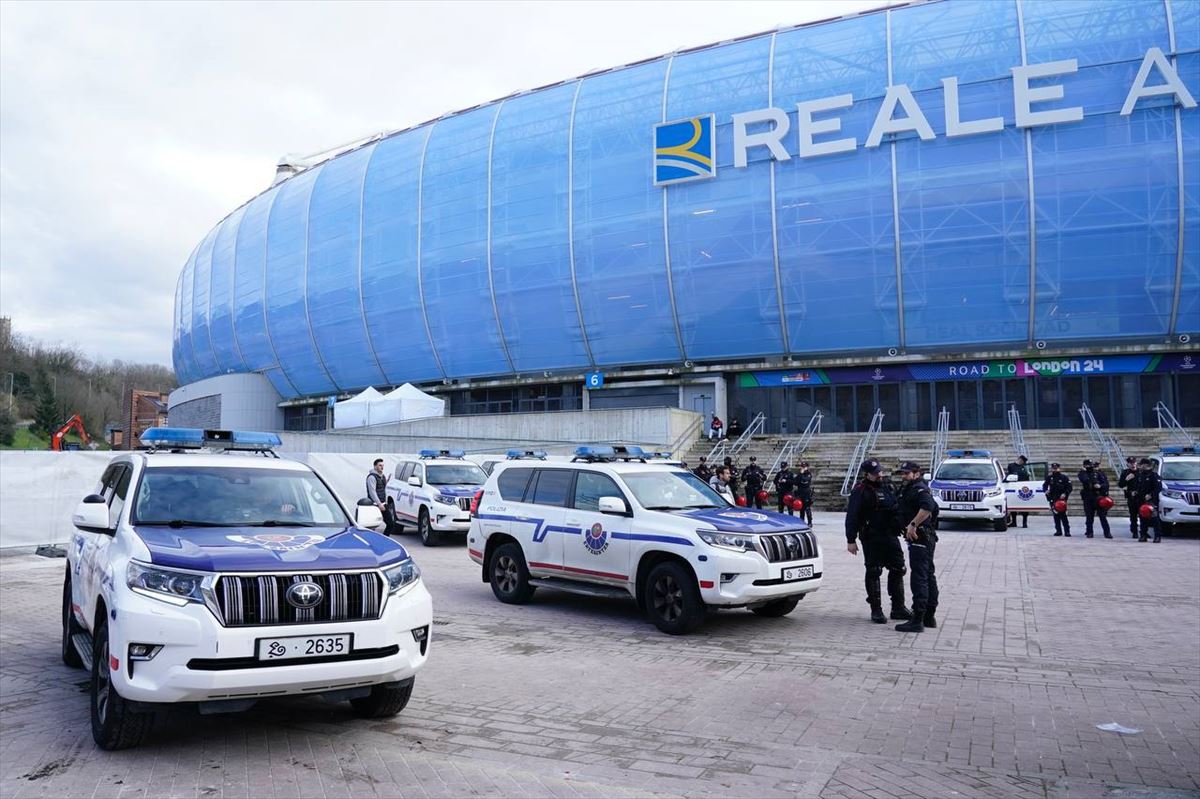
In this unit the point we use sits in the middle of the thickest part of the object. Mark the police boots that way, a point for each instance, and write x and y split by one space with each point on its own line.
877 614
929 620
914 625
900 613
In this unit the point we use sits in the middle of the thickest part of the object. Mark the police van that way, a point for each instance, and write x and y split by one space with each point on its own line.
1179 470
610 524
969 486
209 571
433 492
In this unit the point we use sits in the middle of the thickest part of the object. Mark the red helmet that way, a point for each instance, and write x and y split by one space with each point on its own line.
741 501
762 496
1146 511
787 499
1105 502
1061 506
798 504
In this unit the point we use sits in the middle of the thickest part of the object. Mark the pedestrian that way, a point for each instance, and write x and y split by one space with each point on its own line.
703 471
804 491
377 482
734 475
714 428
784 480
755 479
872 517
1128 483
1093 485
1021 470
1148 487
1057 486
719 482
735 428
919 508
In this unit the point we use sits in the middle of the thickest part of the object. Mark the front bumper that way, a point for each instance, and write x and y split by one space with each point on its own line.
201 661
754 580
445 519
991 508
1177 511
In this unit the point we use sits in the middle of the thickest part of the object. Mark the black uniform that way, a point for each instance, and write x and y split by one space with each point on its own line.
755 479
915 496
1058 486
1022 473
1093 485
1127 482
704 472
803 491
1148 487
785 480
871 517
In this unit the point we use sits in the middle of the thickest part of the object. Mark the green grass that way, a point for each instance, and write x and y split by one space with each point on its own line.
24 439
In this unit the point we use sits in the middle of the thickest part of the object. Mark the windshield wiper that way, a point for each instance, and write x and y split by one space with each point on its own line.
705 505
177 523
663 507
279 523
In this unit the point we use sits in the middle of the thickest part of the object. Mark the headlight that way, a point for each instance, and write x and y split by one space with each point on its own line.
735 541
446 499
993 492
1172 494
402 575
169 585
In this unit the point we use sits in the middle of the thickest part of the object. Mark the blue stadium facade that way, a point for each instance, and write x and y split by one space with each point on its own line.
559 231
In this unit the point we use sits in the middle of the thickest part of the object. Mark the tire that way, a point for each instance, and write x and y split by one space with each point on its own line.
397 527
70 655
384 701
673 600
509 575
777 607
999 525
115 725
429 536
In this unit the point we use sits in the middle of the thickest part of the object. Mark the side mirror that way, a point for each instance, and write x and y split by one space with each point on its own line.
92 516
614 505
414 481
927 477
1012 478
368 516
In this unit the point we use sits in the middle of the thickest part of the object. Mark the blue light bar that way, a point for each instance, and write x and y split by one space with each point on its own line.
1178 450
247 438
518 454
190 437
194 438
629 452
594 452
969 453
442 453
660 455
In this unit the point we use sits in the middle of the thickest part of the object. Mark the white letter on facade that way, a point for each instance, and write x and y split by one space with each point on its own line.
1024 96
809 127
771 138
913 119
954 124
1155 57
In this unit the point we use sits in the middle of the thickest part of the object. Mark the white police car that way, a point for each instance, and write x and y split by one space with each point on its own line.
609 524
1179 470
433 491
209 571
969 485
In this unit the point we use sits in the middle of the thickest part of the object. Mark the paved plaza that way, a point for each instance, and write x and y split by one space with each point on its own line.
1040 639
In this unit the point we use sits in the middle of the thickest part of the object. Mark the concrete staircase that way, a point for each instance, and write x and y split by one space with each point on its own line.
829 453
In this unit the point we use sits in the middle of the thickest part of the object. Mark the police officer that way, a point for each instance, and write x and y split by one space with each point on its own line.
703 471
1019 468
1093 485
1148 486
1058 486
785 481
734 475
871 516
1126 482
804 491
918 514
755 478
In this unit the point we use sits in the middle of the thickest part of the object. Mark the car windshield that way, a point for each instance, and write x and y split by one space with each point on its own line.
966 471
672 491
460 474
1187 471
218 496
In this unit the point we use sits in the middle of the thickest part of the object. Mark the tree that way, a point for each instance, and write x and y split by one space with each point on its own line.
8 429
46 415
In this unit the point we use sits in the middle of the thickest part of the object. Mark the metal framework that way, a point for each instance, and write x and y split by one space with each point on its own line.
793 447
1102 441
940 439
731 449
1168 422
1015 434
865 445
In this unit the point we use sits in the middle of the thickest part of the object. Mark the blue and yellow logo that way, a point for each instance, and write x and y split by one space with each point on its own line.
684 150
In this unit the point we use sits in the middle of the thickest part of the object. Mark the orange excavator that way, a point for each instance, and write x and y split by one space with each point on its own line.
74 423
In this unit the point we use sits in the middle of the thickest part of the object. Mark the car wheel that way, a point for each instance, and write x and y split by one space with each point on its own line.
999 525
509 575
777 607
429 536
673 600
384 701
115 725
70 655
397 528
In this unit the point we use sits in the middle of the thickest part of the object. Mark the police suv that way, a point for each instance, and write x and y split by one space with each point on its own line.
969 485
608 523
207 570
1179 469
434 491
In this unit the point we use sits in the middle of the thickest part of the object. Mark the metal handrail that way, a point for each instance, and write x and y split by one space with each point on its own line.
940 440
865 445
1102 441
730 449
1015 433
1168 422
794 446
689 434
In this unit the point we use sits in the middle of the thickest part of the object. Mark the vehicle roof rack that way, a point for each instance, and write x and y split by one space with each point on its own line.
603 454
442 453
1177 449
180 439
969 453
527 454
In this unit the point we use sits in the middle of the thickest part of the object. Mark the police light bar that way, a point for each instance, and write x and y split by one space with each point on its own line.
1178 450
969 453
628 452
195 438
442 453
517 454
660 455
594 452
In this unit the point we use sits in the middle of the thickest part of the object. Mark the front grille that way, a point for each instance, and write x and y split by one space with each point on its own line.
789 546
1192 497
464 503
245 601
962 495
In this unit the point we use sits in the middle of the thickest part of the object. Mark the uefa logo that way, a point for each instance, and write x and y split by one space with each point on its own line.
685 150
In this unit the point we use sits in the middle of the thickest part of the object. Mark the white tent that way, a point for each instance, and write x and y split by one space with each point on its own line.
356 411
371 408
413 403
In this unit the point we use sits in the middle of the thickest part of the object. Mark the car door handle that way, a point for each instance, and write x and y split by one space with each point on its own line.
574 522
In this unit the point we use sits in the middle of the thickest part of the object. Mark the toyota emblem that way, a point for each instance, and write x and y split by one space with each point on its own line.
304 595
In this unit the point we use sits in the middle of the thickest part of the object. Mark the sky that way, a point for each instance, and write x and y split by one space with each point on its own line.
128 130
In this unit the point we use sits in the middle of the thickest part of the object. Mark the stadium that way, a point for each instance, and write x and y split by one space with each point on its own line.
970 205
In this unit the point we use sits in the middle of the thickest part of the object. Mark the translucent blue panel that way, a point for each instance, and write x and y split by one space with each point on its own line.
229 359
287 311
973 40
389 252
531 258
834 212
1092 31
249 308
334 299
1186 15
187 356
206 361
619 257
454 273
964 205
722 251
1188 319
176 352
